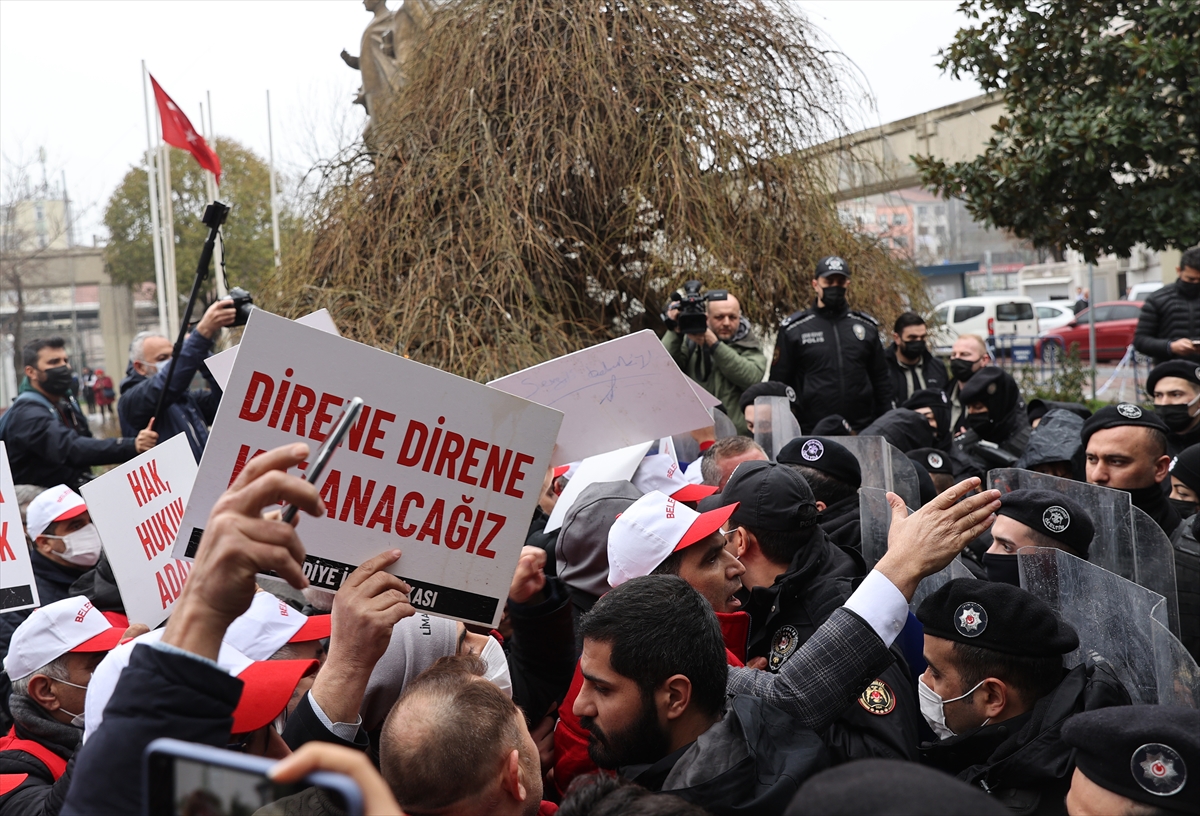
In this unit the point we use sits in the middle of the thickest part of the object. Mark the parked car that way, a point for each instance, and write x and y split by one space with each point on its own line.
1116 321
1052 314
1139 290
988 316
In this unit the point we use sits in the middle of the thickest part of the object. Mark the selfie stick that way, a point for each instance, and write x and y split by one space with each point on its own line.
214 216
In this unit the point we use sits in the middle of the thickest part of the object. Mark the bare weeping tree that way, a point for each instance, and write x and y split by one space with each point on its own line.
555 169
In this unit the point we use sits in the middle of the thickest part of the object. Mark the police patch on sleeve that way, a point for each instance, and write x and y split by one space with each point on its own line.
860 332
970 620
1158 769
782 645
1129 411
878 698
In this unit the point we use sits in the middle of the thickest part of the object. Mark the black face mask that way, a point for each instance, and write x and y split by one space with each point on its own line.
980 423
1188 290
1185 508
1002 569
914 349
834 297
962 370
1176 417
57 380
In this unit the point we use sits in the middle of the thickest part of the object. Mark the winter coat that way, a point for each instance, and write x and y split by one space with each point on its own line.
99 586
724 370
35 773
1057 438
1166 316
834 360
1187 579
903 427
930 372
1023 762
842 523
189 412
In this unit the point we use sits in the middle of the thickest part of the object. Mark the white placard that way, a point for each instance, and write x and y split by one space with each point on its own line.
221 363
137 507
620 393
614 466
442 468
705 396
18 589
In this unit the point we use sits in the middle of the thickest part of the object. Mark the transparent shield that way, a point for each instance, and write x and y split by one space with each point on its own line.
876 518
904 478
723 426
932 583
1176 671
883 466
774 424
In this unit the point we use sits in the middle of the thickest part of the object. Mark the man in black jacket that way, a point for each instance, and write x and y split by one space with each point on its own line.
832 355
1169 325
910 365
46 434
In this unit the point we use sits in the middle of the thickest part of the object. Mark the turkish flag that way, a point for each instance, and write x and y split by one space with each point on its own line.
177 131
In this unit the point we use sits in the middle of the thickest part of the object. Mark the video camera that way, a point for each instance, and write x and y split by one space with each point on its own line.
692 317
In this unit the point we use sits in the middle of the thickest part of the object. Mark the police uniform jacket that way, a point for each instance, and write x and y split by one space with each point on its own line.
1187 579
842 523
1023 762
884 721
835 362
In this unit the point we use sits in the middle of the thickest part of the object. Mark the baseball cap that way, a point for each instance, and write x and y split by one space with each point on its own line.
70 625
269 624
654 527
662 473
59 503
769 497
832 265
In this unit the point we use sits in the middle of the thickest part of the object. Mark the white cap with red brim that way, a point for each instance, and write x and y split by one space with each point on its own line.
59 503
654 527
70 625
270 623
662 473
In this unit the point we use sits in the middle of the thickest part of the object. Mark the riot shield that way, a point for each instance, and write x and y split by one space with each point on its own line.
723 426
778 427
883 466
1127 541
1118 622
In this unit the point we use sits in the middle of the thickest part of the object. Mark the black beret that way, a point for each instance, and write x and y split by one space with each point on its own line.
926 398
824 455
1173 368
1038 408
1186 467
995 388
932 459
1124 413
1052 514
1147 753
832 265
770 497
832 425
769 388
995 616
889 787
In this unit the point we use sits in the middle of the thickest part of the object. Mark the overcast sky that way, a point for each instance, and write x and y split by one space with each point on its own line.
70 76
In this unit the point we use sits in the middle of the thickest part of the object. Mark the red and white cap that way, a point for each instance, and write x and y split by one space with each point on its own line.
268 684
654 527
662 473
270 623
51 631
56 504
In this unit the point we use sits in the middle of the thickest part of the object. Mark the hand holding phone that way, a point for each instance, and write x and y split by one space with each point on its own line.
325 452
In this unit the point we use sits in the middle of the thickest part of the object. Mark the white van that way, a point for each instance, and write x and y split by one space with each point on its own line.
1139 290
986 316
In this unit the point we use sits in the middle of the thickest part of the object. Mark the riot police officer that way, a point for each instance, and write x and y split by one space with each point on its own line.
832 355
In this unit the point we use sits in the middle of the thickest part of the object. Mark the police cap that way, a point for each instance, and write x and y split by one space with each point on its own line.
1186 467
994 387
889 786
995 616
1053 515
1173 368
824 455
1124 413
770 497
832 265
1147 753
770 388
932 459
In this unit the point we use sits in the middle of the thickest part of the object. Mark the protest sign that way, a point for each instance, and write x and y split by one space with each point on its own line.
705 396
613 395
442 468
18 589
220 364
614 466
137 507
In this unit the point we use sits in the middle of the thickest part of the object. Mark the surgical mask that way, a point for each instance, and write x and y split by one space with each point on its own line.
82 546
933 708
1002 569
962 370
834 297
76 719
980 423
914 349
1188 290
497 665
58 380
1184 507
1176 417
152 368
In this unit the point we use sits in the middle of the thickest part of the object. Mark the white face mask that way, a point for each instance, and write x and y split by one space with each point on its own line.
82 546
933 708
497 665
76 719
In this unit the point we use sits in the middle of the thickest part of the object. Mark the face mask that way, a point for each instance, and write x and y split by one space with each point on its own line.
497 663
834 297
82 546
979 423
933 708
1189 290
76 719
1002 569
152 368
58 380
1183 507
1176 417
914 349
962 370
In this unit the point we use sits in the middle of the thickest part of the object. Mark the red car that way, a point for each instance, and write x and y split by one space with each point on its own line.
1116 321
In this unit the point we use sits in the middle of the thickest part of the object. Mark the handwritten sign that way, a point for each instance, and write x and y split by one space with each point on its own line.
620 393
137 507
18 589
442 468
221 364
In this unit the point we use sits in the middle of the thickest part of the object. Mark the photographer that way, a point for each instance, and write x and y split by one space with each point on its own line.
186 411
720 351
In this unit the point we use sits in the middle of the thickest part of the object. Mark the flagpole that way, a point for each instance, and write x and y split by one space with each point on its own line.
218 249
271 169
164 153
155 234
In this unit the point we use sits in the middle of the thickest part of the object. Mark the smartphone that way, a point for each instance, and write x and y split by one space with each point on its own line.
349 414
184 778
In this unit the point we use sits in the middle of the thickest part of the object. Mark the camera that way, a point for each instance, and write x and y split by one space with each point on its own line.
692 317
243 302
